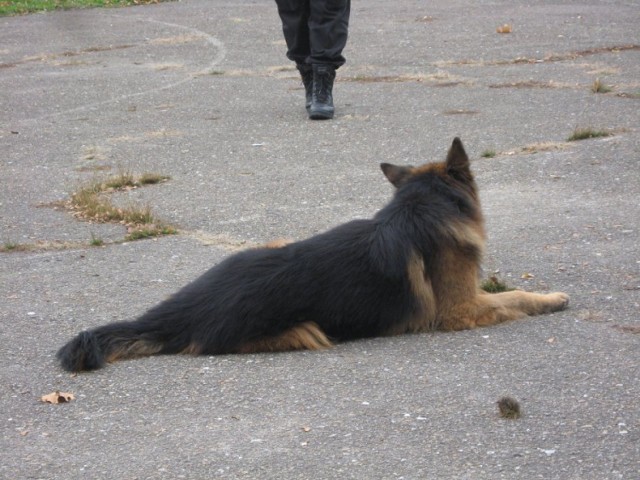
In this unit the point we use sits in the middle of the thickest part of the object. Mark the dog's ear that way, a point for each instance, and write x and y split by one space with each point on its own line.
396 174
457 159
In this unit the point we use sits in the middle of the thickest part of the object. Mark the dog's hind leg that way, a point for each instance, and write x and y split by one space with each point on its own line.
305 336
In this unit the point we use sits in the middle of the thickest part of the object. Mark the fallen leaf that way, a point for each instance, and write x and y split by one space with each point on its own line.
527 276
506 28
58 397
306 429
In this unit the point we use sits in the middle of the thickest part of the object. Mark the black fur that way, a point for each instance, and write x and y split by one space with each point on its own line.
82 353
351 281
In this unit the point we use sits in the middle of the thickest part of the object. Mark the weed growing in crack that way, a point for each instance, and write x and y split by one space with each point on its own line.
600 87
10 247
92 202
149 231
151 179
124 179
586 133
96 241
494 285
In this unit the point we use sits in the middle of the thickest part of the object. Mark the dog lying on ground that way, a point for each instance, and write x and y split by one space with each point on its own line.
413 267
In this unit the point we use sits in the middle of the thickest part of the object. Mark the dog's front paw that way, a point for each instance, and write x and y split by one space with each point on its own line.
557 301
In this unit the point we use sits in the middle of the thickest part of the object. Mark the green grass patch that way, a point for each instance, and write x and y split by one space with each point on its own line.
19 7
494 285
96 241
150 231
488 154
586 133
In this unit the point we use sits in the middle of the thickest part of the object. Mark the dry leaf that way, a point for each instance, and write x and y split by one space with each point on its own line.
506 28
306 429
527 276
58 397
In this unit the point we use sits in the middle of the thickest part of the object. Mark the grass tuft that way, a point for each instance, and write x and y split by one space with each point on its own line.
152 179
11 247
494 285
136 215
488 154
92 202
149 231
600 87
96 241
124 179
586 133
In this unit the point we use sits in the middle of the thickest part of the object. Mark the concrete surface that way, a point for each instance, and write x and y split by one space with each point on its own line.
201 90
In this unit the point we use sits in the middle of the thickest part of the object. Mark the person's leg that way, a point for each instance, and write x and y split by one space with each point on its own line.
295 26
328 30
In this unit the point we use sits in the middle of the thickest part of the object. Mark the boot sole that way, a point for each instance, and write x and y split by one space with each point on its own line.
320 115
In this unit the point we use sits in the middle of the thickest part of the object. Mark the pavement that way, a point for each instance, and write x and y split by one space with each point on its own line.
200 90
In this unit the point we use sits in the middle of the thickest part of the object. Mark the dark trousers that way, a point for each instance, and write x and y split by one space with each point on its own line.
315 30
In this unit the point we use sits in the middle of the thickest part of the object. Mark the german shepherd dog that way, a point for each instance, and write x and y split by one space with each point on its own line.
413 267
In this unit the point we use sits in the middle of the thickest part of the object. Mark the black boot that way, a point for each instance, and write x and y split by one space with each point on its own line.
306 72
322 95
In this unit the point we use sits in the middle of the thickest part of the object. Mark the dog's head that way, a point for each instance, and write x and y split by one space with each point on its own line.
456 169
440 184
443 197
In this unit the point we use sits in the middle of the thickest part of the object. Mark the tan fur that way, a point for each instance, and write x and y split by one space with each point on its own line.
305 336
461 304
489 309
192 349
467 235
438 168
138 348
278 243
450 297
424 319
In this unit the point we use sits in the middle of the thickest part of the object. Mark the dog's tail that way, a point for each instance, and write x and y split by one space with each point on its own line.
92 349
